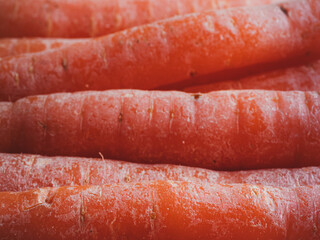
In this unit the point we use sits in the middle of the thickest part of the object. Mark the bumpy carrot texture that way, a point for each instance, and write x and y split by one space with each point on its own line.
69 18
304 78
162 210
23 172
14 46
219 130
169 51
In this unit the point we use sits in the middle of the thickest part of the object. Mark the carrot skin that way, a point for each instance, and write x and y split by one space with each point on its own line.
5 123
15 46
60 18
224 130
21 172
162 210
169 51
302 78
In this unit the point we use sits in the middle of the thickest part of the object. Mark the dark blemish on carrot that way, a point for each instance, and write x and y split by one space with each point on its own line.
50 197
153 214
284 10
90 231
127 179
43 125
32 99
308 53
193 73
64 63
196 96
214 161
120 118
137 41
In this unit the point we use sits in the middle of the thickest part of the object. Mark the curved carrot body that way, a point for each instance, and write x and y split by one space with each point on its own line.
23 172
162 210
11 47
247 129
303 78
61 18
169 51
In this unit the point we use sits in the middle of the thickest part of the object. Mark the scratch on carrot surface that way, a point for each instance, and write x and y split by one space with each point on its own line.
171 119
81 114
151 108
64 63
32 207
32 163
31 68
101 155
17 79
82 211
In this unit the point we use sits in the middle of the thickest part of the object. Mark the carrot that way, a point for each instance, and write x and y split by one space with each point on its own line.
225 130
162 210
24 172
304 78
61 18
15 46
170 51
5 126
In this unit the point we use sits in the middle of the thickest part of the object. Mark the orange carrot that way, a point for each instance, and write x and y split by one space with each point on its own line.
225 130
162 210
69 18
24 172
304 78
169 51
15 46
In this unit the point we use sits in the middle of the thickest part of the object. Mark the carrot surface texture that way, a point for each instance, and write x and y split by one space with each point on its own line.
170 51
15 46
225 130
162 210
69 18
304 78
21 172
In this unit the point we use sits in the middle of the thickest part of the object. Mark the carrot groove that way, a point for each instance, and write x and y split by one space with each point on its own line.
169 51
220 130
68 18
23 172
303 78
162 210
